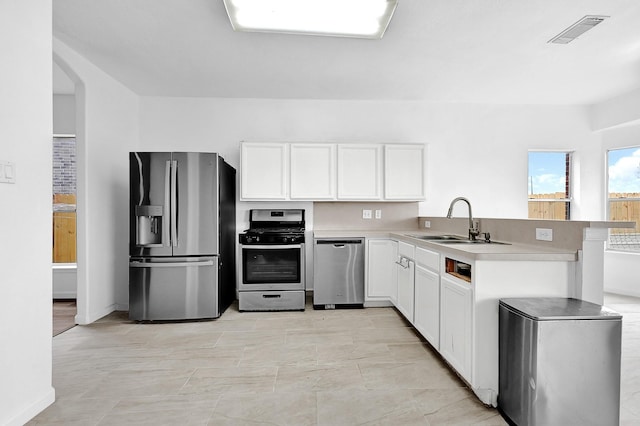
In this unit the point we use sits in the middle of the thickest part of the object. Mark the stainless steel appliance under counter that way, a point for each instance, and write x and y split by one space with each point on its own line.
338 273
559 362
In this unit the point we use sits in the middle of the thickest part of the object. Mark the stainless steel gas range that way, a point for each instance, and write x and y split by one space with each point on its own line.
272 273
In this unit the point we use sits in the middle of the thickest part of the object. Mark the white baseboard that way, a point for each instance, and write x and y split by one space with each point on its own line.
33 410
622 292
90 317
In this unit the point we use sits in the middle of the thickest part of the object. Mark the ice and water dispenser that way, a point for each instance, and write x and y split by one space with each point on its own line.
149 225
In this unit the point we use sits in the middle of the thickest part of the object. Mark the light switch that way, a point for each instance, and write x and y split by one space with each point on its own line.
378 214
7 172
366 214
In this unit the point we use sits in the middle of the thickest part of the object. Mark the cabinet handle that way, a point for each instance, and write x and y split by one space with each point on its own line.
403 262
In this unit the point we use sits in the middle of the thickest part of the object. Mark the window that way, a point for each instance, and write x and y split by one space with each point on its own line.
64 199
549 185
623 175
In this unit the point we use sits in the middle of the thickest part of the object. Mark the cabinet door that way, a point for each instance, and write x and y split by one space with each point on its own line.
427 305
313 170
404 174
406 288
359 172
455 325
263 171
381 281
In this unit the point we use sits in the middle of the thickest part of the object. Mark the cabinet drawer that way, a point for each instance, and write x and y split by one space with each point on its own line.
427 258
271 300
406 250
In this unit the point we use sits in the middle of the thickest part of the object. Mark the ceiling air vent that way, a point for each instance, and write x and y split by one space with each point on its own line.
577 29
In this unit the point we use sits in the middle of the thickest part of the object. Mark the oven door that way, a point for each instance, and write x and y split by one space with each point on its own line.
272 267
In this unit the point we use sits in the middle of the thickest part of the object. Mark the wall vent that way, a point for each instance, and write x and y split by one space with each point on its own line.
577 29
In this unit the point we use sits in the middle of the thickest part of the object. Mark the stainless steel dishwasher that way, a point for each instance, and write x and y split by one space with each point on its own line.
338 273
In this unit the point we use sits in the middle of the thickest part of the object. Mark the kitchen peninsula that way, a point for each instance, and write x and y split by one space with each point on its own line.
450 292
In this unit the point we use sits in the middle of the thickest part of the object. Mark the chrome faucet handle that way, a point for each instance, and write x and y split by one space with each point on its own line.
474 231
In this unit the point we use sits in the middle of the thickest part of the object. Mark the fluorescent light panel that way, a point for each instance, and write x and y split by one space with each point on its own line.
343 18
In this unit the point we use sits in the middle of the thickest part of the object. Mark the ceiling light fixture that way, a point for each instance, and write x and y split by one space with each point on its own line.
342 18
577 29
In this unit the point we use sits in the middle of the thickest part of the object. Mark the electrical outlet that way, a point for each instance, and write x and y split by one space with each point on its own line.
427 224
366 214
378 214
544 234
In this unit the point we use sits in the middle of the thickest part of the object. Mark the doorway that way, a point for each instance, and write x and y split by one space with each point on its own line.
64 193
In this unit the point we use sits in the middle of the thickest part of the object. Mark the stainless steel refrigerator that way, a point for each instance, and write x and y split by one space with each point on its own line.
182 236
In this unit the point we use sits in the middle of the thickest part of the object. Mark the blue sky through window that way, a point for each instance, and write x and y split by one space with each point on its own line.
547 172
624 170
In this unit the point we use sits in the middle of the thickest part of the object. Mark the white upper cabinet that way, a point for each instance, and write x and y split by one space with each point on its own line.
359 172
325 172
404 174
263 168
313 171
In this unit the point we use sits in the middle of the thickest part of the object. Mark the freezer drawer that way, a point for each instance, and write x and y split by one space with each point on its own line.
559 362
173 289
338 272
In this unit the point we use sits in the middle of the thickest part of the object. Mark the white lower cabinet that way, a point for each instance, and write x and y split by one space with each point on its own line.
455 324
381 281
427 305
406 279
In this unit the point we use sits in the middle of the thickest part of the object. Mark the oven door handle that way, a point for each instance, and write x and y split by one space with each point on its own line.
271 246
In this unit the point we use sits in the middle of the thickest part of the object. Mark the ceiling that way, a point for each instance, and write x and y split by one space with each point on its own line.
484 51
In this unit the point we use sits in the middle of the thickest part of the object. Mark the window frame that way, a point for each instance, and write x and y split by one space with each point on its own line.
609 200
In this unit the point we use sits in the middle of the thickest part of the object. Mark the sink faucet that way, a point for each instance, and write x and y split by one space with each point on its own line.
473 229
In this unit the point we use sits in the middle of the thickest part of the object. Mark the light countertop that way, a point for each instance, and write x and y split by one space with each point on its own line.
513 252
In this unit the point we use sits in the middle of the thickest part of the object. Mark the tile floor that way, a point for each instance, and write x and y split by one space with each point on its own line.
343 367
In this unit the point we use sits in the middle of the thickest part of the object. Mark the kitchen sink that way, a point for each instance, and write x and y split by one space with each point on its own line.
439 237
465 241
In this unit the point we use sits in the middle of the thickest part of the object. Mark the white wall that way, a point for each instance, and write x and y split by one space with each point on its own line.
478 151
64 114
621 110
622 273
25 216
106 130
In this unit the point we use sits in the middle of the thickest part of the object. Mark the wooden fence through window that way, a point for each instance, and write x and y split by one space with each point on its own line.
64 228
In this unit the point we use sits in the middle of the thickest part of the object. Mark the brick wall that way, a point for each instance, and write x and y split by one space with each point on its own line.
64 165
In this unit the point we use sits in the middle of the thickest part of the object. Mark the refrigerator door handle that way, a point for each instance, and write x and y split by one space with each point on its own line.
174 203
165 213
169 264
